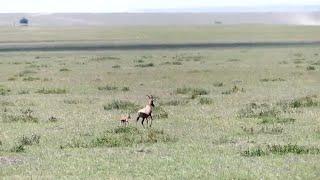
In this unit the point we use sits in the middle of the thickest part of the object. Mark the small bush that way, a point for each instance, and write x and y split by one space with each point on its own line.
12 78
280 150
31 79
307 101
139 61
33 139
183 90
17 148
26 116
218 84
107 88
176 63
121 105
72 101
116 66
104 58
125 89
233 60
194 91
254 152
269 119
4 91
263 130
159 113
174 103
235 89
64 70
272 79
145 65
199 92
205 101
311 68
53 119
254 110
52 91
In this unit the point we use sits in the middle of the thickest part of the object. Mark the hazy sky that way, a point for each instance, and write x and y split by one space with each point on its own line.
49 6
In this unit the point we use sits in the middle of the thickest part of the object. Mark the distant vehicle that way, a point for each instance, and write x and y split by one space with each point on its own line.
24 22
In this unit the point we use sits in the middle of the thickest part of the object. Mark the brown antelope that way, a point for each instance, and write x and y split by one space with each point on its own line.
146 112
125 120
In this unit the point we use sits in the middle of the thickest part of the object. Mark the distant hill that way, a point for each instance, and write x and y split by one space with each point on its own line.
154 19
237 9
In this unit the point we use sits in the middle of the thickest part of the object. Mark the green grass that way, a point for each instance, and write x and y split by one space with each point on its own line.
52 91
281 150
121 105
123 137
252 132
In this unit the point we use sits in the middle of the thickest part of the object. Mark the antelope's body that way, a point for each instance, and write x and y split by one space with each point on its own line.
125 120
146 112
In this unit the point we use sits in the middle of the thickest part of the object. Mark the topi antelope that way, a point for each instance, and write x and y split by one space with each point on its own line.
125 120
146 112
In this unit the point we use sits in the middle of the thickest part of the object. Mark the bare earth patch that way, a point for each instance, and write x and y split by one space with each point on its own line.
9 161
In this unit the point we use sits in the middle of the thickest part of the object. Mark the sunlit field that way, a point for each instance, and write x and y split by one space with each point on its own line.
240 113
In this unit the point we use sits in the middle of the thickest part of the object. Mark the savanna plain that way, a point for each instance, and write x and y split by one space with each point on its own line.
223 113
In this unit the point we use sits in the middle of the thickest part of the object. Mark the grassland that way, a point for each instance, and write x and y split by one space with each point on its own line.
161 34
221 114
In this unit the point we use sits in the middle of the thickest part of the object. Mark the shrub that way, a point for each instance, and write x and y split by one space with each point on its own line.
52 91
272 79
311 68
104 58
72 101
233 60
30 79
107 88
254 110
264 130
235 89
174 103
218 84
125 88
268 119
12 79
33 139
26 116
183 90
159 113
205 101
116 66
145 65
176 63
139 61
64 70
17 148
199 92
121 105
4 91
307 101
280 150
53 119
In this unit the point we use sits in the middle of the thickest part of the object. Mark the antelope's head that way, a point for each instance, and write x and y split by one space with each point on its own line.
150 100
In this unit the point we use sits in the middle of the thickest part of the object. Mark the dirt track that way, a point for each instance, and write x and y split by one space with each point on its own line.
8 47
